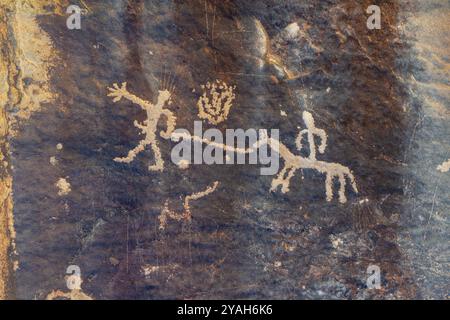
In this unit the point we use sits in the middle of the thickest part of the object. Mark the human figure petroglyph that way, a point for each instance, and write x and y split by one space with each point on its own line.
149 126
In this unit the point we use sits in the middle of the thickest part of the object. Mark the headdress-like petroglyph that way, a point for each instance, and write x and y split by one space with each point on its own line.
186 214
294 162
149 126
310 132
216 101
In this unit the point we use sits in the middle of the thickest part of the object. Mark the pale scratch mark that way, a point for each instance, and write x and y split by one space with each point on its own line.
432 206
85 5
206 17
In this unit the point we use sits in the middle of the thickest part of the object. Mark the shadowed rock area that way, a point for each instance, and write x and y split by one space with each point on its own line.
381 96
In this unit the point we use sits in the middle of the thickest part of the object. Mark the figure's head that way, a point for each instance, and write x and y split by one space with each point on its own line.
308 119
164 96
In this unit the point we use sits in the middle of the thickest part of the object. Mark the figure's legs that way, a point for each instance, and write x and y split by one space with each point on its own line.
159 163
133 153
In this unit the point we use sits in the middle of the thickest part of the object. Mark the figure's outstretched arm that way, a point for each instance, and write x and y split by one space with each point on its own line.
171 121
121 92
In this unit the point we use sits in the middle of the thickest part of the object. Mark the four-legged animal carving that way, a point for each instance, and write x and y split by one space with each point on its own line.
292 163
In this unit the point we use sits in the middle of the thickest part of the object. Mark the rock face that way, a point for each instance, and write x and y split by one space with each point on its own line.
93 206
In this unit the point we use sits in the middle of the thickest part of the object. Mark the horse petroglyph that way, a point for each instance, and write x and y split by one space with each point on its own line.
149 126
294 162
214 105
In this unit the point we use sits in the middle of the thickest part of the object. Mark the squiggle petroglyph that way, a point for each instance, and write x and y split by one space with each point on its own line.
149 126
293 163
186 214
216 101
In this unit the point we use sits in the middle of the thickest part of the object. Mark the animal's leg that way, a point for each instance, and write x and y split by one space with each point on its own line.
159 163
329 187
352 181
133 153
279 180
342 183
171 119
285 187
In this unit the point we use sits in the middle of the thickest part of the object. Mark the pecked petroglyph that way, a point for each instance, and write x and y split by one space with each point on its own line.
63 186
149 126
294 163
186 215
215 103
176 136
31 56
265 53
70 295
444 167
